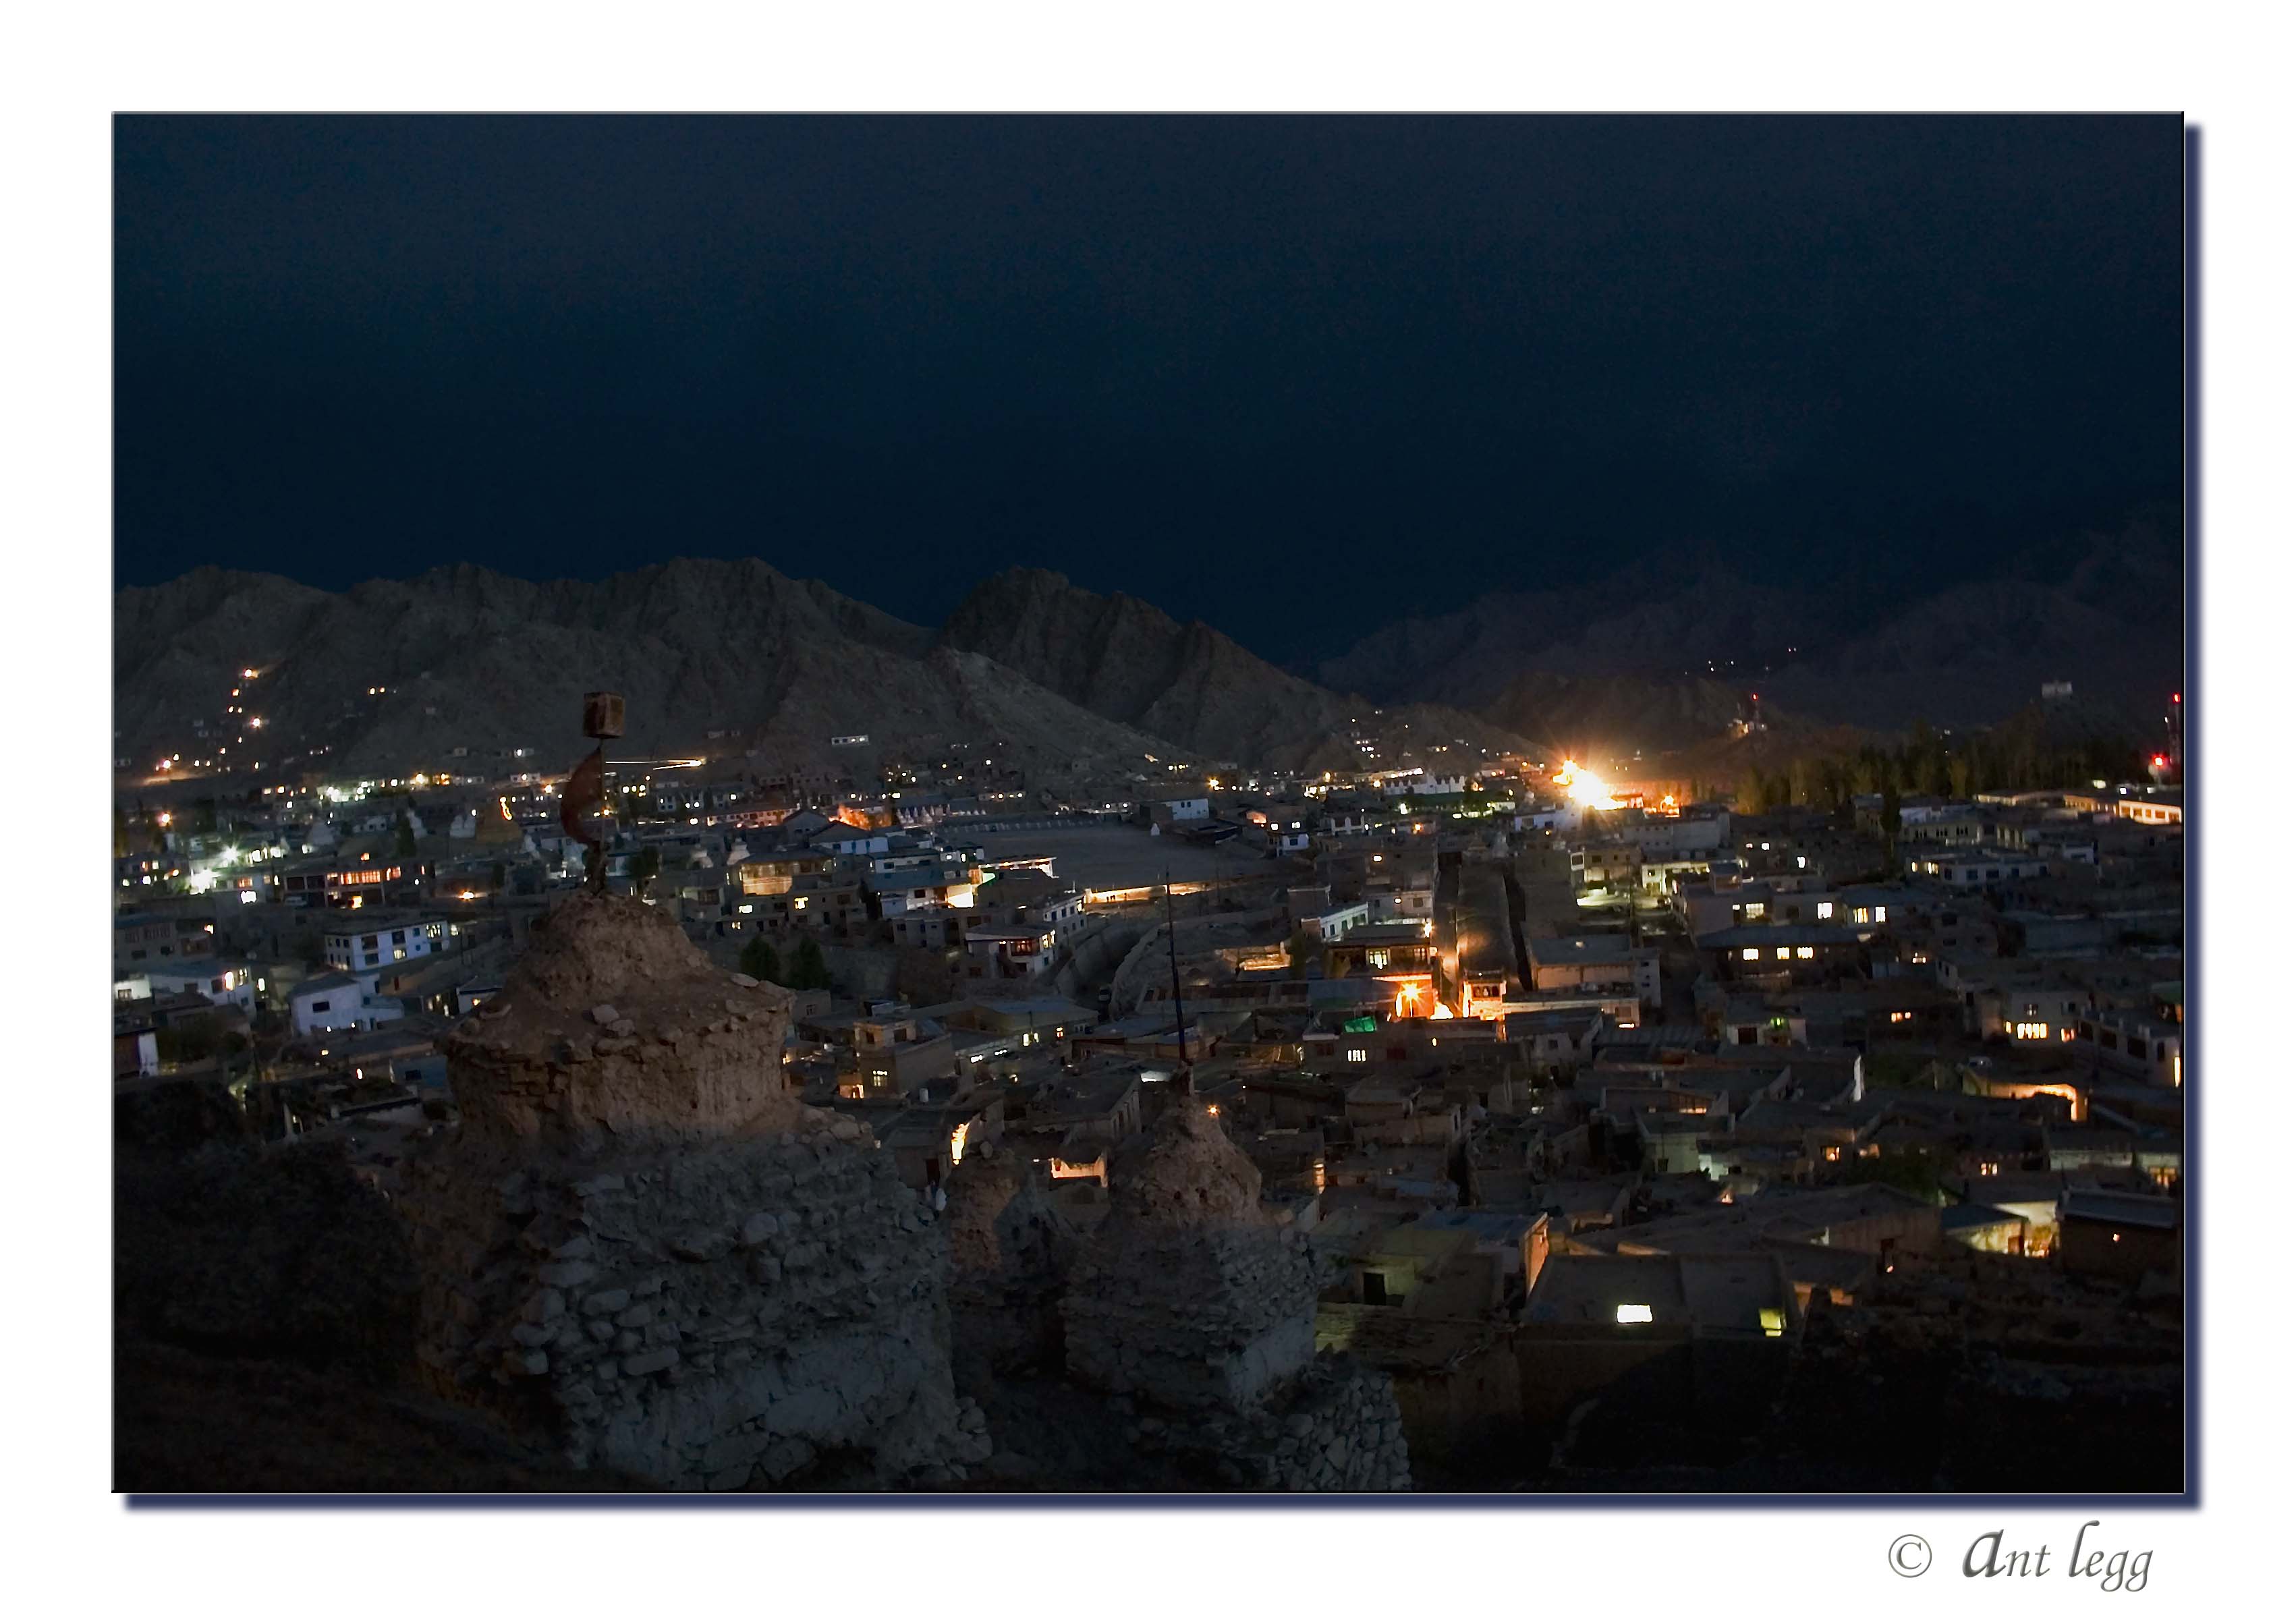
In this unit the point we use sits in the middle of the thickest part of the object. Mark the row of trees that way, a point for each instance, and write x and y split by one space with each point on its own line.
2016 756
806 971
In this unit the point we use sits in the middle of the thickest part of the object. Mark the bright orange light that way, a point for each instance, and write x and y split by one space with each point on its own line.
166 820
1585 787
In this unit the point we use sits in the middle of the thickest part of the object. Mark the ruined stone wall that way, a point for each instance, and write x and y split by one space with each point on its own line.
639 1244
1010 1250
1336 1428
1196 1306
1189 1294
716 1314
613 1023
1214 1315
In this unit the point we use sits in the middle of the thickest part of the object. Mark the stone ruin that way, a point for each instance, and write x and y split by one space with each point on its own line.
640 1244
1194 1306
1011 1249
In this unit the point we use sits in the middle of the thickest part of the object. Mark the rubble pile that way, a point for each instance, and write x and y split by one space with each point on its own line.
640 1242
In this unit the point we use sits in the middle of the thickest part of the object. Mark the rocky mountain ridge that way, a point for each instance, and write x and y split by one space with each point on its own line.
1877 645
710 656
1129 660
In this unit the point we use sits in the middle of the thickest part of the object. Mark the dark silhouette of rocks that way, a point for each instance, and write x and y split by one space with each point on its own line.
641 1247
1193 1306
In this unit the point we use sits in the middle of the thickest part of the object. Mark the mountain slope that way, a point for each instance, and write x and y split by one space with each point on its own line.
1128 660
1605 715
466 658
1865 637
1635 623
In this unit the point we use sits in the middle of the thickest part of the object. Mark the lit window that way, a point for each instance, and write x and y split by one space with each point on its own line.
1639 1315
1773 1324
1750 952
1357 1055
1805 953
1825 911
1787 953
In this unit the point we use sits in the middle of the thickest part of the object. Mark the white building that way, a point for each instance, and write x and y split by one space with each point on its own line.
1419 782
339 1002
372 943
1335 923
1976 869
220 980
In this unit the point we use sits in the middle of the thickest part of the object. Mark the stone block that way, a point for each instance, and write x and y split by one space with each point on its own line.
700 1245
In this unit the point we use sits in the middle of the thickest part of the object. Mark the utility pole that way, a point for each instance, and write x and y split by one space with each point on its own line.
1180 1015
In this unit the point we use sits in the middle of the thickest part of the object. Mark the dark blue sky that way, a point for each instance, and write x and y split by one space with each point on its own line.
1260 370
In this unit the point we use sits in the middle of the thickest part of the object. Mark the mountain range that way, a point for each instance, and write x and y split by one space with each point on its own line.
1638 658
710 656
1041 675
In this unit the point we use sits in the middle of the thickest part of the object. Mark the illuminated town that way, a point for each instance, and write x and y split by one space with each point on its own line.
624 990
1557 1079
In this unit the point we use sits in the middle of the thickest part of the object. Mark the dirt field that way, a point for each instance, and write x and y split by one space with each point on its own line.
1102 857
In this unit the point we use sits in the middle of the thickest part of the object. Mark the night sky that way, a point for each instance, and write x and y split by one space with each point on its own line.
1261 371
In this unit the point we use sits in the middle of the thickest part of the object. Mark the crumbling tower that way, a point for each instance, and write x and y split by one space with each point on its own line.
1010 1251
641 1242
1192 1302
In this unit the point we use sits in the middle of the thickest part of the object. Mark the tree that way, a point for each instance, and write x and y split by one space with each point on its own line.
501 874
1305 947
1891 821
402 845
761 961
810 973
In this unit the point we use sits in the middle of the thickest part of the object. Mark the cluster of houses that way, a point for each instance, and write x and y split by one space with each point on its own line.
1568 1097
